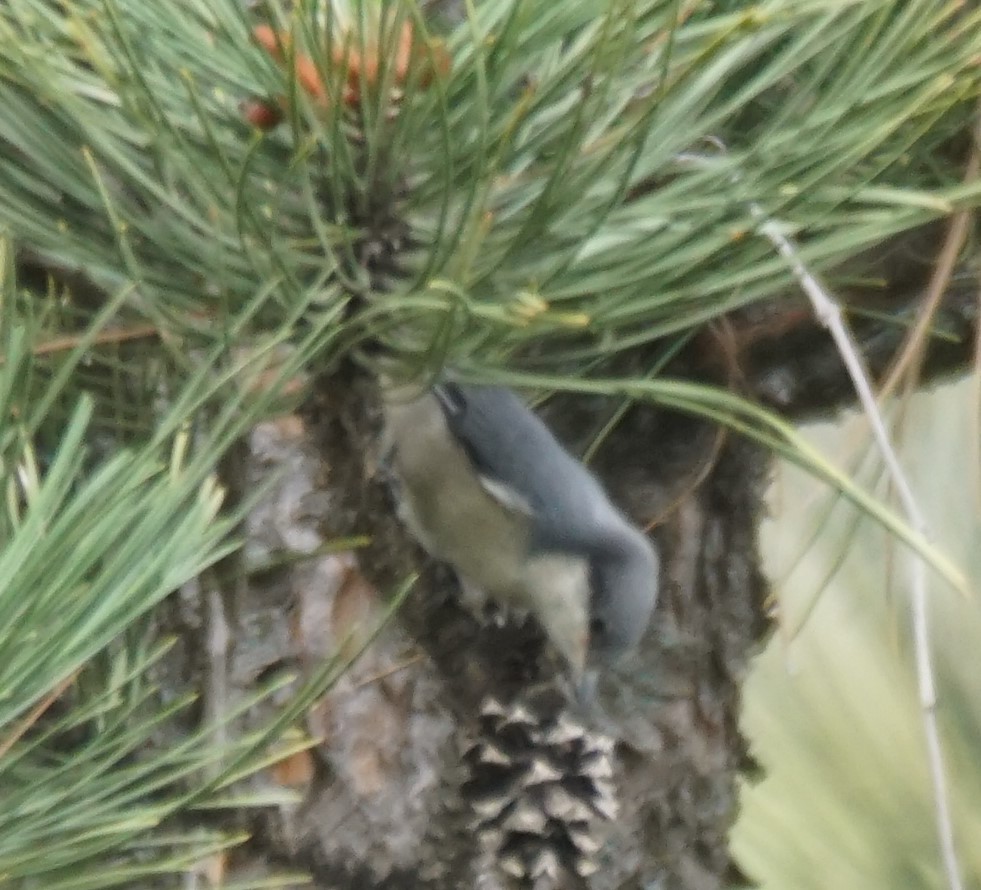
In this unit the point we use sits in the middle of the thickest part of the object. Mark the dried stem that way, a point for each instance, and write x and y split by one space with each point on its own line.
910 357
829 314
36 714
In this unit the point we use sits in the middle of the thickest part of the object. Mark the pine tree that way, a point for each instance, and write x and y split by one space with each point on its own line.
216 216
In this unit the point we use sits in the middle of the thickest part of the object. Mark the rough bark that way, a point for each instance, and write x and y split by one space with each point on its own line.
389 807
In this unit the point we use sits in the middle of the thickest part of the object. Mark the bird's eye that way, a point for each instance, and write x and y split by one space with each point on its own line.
597 627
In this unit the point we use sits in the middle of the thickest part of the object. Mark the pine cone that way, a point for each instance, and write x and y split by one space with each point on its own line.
541 786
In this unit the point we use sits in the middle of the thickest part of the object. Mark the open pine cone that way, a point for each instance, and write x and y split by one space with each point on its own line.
541 788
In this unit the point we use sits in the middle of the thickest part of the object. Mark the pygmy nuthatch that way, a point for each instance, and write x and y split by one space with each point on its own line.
485 486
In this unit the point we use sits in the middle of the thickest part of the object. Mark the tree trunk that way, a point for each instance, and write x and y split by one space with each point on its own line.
393 800
397 800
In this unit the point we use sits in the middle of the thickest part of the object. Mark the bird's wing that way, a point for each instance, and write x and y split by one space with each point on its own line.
505 441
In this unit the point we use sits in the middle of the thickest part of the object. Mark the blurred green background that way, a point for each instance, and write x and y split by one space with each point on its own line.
831 707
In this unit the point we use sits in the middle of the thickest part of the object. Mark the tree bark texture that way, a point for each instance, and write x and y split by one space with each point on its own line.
387 803
673 709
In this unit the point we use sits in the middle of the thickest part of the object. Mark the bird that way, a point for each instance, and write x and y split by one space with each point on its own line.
484 485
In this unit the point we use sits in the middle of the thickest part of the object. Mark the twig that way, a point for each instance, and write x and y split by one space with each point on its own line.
829 314
910 357
113 335
387 672
35 715
693 482
103 338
